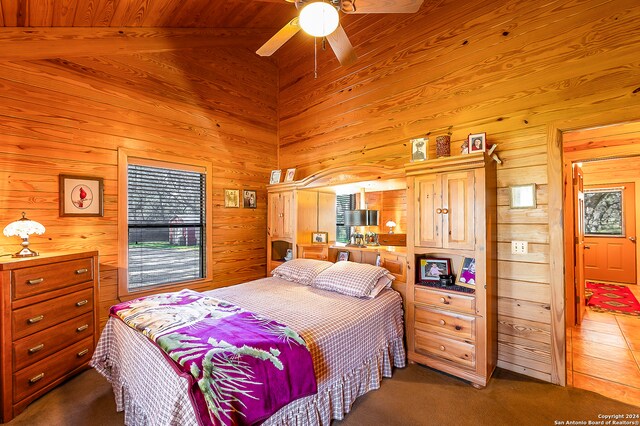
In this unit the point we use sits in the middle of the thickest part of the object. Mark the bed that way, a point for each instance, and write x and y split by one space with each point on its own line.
353 342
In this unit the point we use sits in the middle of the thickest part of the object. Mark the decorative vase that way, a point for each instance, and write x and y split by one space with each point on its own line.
443 146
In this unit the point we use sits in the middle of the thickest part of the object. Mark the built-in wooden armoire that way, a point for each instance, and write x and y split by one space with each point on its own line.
451 205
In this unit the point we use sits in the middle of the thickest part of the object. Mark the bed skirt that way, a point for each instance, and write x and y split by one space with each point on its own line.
333 400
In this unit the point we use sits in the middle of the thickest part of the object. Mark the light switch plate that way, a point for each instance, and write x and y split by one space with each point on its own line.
519 247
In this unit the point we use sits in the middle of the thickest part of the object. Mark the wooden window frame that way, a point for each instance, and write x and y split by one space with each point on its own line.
127 157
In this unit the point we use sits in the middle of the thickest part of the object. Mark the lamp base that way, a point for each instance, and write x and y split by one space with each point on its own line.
25 252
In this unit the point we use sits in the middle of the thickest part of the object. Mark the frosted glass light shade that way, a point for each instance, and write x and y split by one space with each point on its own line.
319 19
23 228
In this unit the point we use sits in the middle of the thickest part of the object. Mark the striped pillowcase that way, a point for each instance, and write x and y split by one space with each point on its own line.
302 271
350 278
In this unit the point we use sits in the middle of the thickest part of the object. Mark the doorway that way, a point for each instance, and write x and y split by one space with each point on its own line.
603 346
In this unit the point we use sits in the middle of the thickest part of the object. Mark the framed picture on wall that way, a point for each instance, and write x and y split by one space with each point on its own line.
81 196
477 142
232 198
320 237
419 149
249 199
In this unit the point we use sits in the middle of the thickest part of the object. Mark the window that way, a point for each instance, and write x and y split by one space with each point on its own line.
343 203
166 221
603 212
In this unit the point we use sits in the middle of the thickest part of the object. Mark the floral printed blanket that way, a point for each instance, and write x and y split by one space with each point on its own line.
242 367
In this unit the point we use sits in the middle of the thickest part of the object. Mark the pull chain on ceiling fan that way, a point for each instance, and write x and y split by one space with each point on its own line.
321 19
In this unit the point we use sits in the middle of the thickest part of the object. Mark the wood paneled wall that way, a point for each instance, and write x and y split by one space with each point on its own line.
71 115
391 205
510 68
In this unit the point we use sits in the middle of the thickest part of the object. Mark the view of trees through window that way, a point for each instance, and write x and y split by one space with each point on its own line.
603 212
166 219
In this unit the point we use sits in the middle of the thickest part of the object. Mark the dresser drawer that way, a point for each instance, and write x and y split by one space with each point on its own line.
35 347
37 376
433 320
447 300
460 352
39 316
39 279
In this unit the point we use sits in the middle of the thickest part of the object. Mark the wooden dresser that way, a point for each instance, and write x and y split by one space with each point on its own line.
49 323
452 215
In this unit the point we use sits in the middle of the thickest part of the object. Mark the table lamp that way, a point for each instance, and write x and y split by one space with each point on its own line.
390 224
23 228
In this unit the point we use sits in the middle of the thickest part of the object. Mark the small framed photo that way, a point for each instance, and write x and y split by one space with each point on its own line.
432 267
467 275
419 149
523 196
81 196
342 256
232 198
320 237
249 199
290 175
477 142
275 176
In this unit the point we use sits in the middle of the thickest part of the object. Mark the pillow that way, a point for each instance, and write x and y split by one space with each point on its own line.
301 271
350 278
383 282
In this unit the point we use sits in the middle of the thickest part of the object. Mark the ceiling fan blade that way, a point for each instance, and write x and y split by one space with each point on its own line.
280 38
380 6
341 46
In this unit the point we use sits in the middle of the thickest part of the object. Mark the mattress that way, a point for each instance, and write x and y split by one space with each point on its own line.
353 342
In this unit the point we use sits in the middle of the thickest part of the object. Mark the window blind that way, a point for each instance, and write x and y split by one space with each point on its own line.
166 221
343 203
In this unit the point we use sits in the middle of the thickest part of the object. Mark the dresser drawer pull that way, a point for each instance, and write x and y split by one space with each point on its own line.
82 303
35 349
83 353
35 319
442 322
36 378
82 328
36 281
443 300
442 348
81 271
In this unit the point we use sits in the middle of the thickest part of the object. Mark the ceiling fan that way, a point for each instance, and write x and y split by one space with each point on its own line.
320 18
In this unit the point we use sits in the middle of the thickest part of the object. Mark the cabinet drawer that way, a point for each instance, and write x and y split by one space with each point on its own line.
432 320
444 299
397 265
39 279
319 252
39 316
33 378
460 352
35 347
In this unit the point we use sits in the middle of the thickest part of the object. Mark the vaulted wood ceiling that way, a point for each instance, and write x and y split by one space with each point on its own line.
146 13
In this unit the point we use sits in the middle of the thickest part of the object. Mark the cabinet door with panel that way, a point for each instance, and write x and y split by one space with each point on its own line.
280 214
444 213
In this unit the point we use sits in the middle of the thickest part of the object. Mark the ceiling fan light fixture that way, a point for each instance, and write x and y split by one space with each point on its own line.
319 19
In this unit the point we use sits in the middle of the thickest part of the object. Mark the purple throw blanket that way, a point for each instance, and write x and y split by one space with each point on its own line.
242 367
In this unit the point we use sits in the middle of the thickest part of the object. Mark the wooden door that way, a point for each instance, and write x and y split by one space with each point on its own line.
458 210
274 228
428 226
286 210
610 233
578 255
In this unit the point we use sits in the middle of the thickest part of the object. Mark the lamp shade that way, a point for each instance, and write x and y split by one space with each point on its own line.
361 218
23 228
319 19
390 224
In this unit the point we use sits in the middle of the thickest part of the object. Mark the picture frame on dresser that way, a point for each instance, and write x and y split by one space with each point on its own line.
431 268
467 275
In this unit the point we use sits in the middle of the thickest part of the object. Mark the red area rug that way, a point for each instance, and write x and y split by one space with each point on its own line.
616 299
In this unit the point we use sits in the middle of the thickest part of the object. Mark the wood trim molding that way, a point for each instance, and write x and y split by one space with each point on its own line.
46 43
123 235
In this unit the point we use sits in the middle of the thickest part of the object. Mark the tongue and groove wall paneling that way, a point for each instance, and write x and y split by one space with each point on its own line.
509 68
70 116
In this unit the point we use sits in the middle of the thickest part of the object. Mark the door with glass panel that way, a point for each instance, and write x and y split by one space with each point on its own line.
610 233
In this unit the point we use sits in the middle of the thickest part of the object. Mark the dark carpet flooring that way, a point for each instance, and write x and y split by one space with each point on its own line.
414 396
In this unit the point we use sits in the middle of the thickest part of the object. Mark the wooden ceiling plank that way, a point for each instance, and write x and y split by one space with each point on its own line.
64 12
22 44
40 13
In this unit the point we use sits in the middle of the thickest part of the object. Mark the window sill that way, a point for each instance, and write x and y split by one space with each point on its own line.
196 285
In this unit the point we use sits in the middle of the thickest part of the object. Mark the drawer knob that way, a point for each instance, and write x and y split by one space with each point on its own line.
443 300
36 281
442 348
439 211
83 353
82 328
35 349
445 211
82 302
36 378
35 319
81 271
442 322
